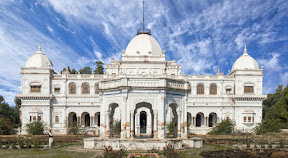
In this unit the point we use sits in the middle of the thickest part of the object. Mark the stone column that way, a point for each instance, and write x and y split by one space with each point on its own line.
193 121
132 125
137 125
91 121
179 124
123 119
149 123
206 121
107 124
155 132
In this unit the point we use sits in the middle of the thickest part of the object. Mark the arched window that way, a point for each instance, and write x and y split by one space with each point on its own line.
189 89
85 88
213 89
200 88
96 88
56 119
72 88
248 89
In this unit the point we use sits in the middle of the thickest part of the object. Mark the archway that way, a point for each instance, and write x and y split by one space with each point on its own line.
97 119
199 119
175 122
189 119
113 128
85 119
143 121
72 119
212 119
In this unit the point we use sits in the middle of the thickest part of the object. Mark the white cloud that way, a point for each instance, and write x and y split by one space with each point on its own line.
50 29
271 64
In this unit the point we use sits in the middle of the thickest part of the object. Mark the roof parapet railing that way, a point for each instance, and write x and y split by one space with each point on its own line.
145 31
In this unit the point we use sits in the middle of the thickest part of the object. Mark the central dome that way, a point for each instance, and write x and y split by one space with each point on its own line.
143 44
245 62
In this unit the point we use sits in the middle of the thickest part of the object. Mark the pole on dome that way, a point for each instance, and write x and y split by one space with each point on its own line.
143 30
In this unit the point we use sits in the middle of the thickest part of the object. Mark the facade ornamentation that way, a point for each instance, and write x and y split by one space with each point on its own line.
143 91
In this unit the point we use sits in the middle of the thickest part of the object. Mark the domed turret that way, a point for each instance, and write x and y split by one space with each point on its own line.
245 62
38 60
143 44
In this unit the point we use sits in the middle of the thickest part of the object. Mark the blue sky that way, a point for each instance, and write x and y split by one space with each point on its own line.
199 35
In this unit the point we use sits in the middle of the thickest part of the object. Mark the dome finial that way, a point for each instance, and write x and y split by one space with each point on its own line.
39 47
245 51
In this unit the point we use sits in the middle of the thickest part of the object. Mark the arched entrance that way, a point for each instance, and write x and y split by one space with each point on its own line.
199 119
143 122
212 119
72 119
97 119
189 119
175 125
114 129
85 119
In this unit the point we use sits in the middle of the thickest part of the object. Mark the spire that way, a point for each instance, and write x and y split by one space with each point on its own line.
143 30
39 49
245 51
218 73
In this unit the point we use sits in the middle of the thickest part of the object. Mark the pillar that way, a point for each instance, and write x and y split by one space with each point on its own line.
179 124
91 121
149 124
137 125
155 131
193 121
107 133
132 124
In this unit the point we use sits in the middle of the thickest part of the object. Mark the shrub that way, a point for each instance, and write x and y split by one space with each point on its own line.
224 127
74 128
268 125
35 128
21 144
171 126
110 153
6 125
170 152
117 127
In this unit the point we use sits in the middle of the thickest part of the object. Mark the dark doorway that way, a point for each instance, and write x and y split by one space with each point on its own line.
210 120
87 120
74 118
98 120
143 122
198 120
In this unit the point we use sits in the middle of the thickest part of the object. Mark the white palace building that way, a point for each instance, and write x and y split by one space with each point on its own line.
143 91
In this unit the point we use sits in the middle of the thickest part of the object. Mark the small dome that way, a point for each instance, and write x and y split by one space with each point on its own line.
143 44
245 62
38 60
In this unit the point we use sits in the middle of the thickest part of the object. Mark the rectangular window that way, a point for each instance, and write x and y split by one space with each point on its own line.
213 89
249 119
245 119
36 88
30 118
34 118
56 119
56 90
248 89
39 118
200 89
113 75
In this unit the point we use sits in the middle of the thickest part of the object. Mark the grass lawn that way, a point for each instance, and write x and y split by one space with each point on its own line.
76 150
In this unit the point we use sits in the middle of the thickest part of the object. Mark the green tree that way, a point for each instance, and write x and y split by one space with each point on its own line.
5 108
16 112
86 70
35 127
99 68
268 125
224 127
6 125
73 71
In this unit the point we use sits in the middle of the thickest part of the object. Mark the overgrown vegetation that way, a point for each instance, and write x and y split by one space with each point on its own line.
223 128
275 112
6 125
171 127
116 127
74 128
35 128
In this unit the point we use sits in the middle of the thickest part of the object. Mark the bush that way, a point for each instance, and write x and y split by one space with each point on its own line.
224 127
170 152
35 128
268 125
171 126
74 128
117 127
6 125
110 153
